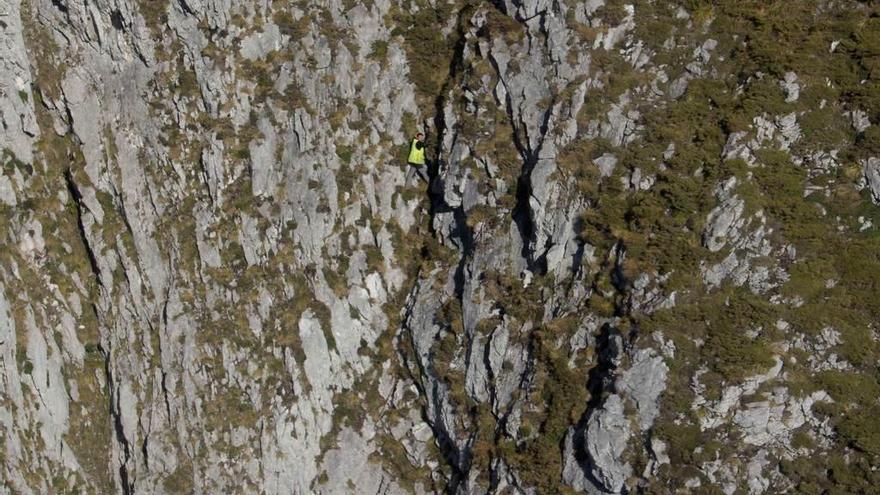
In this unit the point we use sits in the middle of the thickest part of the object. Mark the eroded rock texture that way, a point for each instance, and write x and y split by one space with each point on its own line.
646 258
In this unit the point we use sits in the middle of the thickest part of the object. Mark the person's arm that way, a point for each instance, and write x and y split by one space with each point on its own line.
420 145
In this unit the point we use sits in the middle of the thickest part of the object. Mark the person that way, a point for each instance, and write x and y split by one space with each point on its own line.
416 160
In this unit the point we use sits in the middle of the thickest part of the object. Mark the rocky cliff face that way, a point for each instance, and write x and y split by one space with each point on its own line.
646 261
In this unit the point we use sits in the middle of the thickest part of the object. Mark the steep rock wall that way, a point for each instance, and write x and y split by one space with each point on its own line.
641 262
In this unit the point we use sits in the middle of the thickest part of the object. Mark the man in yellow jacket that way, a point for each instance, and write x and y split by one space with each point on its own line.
416 160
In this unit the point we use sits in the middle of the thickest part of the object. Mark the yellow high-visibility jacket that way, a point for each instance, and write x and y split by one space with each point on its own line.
416 152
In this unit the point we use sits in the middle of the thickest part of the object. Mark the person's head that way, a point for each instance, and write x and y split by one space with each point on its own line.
420 136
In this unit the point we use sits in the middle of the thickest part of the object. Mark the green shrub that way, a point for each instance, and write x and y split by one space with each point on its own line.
861 429
379 51
290 27
428 51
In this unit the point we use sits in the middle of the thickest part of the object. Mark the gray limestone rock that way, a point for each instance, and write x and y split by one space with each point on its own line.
264 178
871 172
790 86
348 465
606 436
258 45
214 278
860 120
643 383
622 125
714 412
19 125
573 474
735 148
724 223
745 239
7 191
606 164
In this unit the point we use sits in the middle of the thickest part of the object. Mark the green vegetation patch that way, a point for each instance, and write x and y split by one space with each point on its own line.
428 50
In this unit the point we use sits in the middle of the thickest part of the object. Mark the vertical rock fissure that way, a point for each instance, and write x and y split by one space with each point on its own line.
524 195
600 381
77 201
115 414
165 395
145 450
449 450
521 213
490 373
59 4
437 202
163 382
599 377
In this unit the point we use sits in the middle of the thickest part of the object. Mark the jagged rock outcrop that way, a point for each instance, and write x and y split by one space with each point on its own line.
872 177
